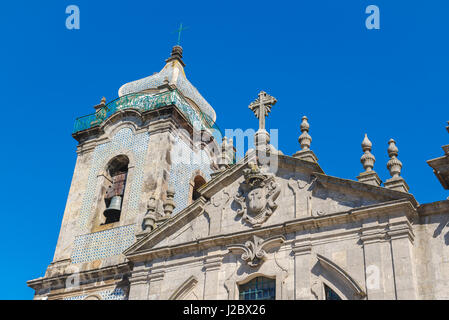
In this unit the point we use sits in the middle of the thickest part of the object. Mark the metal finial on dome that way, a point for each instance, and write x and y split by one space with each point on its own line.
176 51
305 139
176 54
367 158
393 165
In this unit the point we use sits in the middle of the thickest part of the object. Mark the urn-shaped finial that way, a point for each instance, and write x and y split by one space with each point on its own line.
367 158
393 165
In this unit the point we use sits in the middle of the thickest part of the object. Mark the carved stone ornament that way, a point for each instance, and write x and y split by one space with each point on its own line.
254 251
257 196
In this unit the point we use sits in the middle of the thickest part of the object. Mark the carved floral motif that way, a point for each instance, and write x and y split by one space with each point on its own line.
254 251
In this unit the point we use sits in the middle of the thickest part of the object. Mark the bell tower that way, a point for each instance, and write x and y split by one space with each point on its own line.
137 165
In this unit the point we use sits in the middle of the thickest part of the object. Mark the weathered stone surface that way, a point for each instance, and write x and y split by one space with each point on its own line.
306 230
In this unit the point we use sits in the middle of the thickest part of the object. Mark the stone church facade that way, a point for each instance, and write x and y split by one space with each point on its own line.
155 213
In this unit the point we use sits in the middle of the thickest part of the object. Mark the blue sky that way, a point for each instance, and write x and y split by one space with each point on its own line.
316 57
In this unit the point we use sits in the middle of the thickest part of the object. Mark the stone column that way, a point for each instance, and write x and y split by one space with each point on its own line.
303 264
379 276
401 240
138 287
212 267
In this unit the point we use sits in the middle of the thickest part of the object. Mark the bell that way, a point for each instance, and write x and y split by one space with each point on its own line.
114 207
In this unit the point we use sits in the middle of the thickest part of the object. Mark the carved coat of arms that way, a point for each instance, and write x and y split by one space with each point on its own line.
257 196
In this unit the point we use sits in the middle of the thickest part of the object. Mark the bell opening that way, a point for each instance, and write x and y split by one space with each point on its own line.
117 170
197 183
112 213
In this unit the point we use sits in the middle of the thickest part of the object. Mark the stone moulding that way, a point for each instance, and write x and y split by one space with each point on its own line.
59 281
185 288
342 274
254 251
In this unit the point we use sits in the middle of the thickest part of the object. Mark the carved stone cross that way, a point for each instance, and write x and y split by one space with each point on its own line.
262 107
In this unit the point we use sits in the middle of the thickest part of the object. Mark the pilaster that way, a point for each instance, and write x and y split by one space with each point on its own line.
138 283
302 252
401 241
379 276
155 278
212 267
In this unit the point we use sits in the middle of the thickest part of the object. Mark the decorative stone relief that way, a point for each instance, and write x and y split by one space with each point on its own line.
220 201
296 186
257 196
254 251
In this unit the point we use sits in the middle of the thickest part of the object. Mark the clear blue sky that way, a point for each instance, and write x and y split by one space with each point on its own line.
316 57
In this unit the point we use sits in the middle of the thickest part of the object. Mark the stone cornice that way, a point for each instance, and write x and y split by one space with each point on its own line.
289 161
440 168
156 275
363 187
60 280
439 207
373 235
213 262
399 230
301 248
164 114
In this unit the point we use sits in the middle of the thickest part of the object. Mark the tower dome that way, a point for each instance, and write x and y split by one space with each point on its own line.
173 74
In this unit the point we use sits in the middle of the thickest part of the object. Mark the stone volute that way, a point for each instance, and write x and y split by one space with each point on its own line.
394 165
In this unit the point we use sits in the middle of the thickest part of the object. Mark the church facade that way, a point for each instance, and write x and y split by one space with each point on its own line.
158 208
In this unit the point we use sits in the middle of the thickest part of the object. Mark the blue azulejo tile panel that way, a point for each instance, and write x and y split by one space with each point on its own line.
103 244
111 294
184 163
124 142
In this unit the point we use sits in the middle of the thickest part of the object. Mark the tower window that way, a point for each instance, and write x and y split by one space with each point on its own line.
197 183
117 171
259 288
331 294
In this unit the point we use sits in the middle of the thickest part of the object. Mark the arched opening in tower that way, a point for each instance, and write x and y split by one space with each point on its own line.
117 170
197 183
